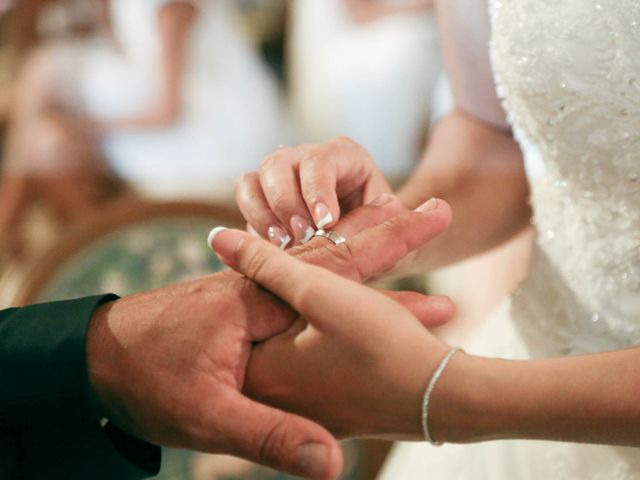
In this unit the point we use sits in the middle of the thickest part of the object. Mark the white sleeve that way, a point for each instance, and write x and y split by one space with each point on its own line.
465 29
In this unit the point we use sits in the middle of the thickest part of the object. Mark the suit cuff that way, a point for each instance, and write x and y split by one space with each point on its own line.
47 395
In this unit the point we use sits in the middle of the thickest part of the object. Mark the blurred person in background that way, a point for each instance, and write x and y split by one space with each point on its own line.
365 69
172 99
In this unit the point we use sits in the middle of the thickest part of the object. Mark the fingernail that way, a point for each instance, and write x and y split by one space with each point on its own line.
381 200
212 235
322 215
313 459
429 205
302 231
227 243
278 237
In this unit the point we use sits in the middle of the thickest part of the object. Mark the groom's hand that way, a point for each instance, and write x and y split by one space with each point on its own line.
168 366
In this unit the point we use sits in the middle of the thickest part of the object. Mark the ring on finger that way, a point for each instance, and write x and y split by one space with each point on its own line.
335 237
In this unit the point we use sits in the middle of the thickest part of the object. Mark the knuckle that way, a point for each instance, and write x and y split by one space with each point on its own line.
305 294
245 183
313 188
395 228
256 262
280 202
269 161
340 259
287 154
272 444
345 141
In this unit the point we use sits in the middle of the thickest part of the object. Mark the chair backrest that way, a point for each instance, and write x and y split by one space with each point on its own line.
132 246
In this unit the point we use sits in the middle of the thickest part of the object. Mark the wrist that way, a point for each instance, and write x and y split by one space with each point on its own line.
400 418
99 360
471 402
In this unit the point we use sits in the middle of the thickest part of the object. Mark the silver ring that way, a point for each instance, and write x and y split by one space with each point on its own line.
331 235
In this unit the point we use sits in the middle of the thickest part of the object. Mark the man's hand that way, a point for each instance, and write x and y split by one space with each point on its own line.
168 366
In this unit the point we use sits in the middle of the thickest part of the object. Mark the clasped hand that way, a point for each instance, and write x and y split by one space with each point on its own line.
170 366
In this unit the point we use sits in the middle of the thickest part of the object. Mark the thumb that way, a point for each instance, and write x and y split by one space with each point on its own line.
281 440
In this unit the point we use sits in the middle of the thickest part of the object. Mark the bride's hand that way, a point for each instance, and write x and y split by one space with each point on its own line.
358 362
297 190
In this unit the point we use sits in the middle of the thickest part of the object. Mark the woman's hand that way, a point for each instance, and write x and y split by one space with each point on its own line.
356 361
302 188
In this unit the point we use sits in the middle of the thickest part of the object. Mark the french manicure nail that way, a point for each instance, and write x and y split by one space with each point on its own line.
278 237
212 235
382 199
322 215
430 204
313 460
228 242
302 231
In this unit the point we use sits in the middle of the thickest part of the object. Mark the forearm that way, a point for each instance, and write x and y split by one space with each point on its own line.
164 114
479 171
586 399
367 11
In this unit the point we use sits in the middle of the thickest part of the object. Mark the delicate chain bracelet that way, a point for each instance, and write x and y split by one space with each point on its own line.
427 395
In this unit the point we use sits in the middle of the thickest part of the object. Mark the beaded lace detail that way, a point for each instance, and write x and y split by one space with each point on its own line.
568 72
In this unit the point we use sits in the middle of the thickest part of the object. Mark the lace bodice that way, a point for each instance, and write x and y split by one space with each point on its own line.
569 74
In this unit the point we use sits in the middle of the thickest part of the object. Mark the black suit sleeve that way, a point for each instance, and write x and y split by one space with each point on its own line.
48 428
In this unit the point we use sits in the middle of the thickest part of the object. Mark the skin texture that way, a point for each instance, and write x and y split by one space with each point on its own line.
371 385
169 365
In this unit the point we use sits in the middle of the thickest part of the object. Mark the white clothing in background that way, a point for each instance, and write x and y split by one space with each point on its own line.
231 109
372 81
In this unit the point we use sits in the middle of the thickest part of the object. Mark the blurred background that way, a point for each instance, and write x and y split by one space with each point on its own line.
124 124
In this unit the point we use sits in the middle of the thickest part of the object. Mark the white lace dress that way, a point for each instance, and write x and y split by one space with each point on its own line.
569 74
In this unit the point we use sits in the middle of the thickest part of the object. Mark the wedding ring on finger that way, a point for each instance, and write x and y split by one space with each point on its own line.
335 237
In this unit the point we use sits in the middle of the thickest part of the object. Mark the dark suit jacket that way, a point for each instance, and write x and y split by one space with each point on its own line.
48 428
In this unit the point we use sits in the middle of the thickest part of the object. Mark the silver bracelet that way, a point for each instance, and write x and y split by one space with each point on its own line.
427 395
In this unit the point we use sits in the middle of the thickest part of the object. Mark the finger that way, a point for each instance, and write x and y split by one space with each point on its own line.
381 209
257 212
279 181
252 230
338 172
277 439
377 249
321 296
431 311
